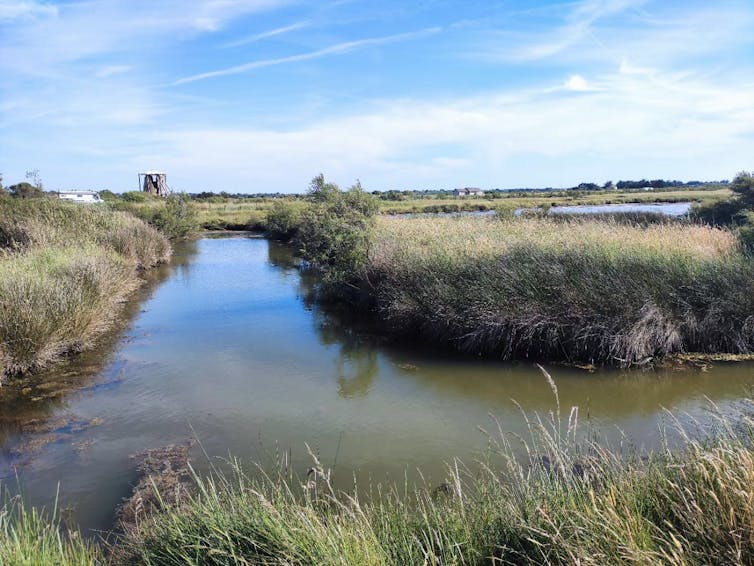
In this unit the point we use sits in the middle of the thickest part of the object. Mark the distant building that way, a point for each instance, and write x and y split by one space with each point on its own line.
80 196
468 192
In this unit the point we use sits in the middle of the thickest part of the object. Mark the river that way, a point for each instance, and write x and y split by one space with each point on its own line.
224 346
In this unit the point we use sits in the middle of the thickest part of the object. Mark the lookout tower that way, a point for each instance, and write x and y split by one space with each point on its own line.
154 183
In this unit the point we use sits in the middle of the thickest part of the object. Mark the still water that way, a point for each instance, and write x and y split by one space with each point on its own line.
225 347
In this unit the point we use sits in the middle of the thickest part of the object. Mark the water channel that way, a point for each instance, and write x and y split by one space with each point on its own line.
224 345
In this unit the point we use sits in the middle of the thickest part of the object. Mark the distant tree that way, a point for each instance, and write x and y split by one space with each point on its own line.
588 187
25 190
107 195
320 191
743 185
2 190
608 185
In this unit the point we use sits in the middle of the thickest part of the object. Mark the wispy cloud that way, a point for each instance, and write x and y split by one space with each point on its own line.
267 34
578 26
337 49
13 10
110 70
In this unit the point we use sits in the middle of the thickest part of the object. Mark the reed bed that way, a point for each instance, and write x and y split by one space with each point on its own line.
64 271
579 290
552 498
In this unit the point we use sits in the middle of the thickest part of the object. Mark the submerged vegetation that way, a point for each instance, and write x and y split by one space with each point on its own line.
64 270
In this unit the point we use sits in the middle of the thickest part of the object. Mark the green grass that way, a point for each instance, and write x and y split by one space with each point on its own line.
577 290
551 498
64 271
30 537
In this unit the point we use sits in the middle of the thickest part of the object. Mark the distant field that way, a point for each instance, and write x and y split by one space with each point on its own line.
250 213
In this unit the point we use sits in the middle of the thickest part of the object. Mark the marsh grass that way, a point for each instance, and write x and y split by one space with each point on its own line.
64 271
553 497
31 537
578 290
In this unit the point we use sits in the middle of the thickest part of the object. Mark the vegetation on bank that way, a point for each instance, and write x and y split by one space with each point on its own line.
64 270
556 496
30 537
575 290
737 212
551 498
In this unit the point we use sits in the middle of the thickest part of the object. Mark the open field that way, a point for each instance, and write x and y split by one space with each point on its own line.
557 198
579 290
64 270
250 214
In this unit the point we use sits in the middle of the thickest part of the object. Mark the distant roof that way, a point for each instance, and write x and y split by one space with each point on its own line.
153 173
74 192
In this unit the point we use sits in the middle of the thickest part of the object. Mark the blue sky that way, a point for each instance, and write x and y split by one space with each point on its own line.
261 95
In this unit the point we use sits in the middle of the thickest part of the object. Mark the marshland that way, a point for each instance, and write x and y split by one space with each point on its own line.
344 385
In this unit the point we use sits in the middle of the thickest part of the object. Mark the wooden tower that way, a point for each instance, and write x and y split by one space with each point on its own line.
154 183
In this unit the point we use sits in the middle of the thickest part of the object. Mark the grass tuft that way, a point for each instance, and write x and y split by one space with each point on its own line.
64 271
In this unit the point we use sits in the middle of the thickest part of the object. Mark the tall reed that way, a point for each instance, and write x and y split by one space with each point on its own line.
64 271
581 290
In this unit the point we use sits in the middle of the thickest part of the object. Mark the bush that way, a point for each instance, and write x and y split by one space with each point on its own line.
134 196
282 220
335 229
178 218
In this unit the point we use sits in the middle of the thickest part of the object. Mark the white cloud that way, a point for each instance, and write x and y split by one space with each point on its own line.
628 126
577 83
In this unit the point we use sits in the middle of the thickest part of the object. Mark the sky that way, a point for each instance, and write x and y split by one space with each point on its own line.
262 95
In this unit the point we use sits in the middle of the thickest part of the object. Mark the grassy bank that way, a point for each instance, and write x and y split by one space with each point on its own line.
577 290
555 496
64 271
565 501
30 537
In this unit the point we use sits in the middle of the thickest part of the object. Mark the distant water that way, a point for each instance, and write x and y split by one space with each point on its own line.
667 208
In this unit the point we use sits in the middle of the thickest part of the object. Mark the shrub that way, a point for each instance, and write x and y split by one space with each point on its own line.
178 218
335 229
134 196
282 220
